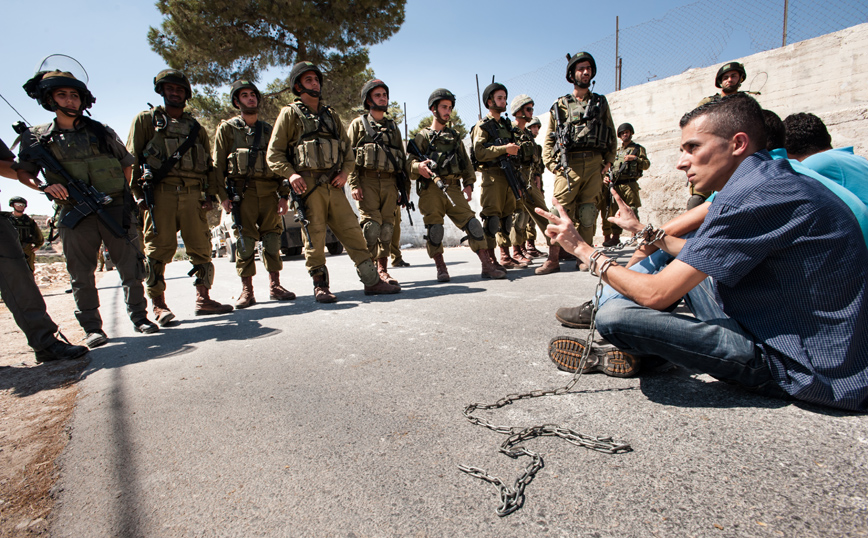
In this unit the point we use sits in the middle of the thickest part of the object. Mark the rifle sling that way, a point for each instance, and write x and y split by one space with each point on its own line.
170 163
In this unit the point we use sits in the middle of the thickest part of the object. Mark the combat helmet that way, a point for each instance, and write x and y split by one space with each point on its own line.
300 69
370 86
239 85
625 127
489 91
17 200
438 95
575 59
172 76
519 102
534 121
727 67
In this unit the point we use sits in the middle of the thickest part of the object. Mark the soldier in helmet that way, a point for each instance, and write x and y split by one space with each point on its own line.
92 153
493 137
529 157
446 160
536 178
239 160
630 162
172 152
20 293
309 145
379 154
586 120
29 234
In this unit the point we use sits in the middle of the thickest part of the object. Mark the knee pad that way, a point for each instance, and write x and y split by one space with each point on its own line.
204 274
435 234
245 247
473 228
271 244
491 225
371 231
521 220
506 224
386 231
155 270
695 201
587 215
368 273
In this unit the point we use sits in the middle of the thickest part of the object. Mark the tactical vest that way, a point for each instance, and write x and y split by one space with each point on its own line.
587 128
319 147
80 155
24 226
443 151
372 156
625 171
169 134
527 154
242 160
496 130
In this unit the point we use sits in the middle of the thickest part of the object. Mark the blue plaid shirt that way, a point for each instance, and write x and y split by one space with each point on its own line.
789 263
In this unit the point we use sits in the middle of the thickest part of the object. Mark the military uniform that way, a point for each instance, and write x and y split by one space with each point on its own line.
625 175
374 174
590 143
536 171
29 235
531 162
498 201
93 153
314 144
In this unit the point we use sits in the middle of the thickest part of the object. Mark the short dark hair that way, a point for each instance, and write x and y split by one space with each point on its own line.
775 130
731 114
806 134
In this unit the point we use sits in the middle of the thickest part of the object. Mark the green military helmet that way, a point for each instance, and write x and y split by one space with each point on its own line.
438 95
172 76
300 69
489 91
43 83
239 85
519 102
626 127
17 200
534 121
370 86
726 68
575 59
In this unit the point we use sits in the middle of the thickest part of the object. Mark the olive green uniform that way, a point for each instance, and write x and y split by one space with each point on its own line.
536 171
98 161
497 199
374 174
314 144
154 137
29 235
531 161
590 142
625 176
259 188
395 249
452 164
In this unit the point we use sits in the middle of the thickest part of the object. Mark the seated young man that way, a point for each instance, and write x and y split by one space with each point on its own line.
783 306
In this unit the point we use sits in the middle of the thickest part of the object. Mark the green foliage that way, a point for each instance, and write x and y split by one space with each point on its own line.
454 122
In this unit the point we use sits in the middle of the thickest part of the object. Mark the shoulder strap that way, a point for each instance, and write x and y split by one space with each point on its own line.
378 140
170 163
254 149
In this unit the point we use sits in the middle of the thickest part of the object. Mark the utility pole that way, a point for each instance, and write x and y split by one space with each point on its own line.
786 10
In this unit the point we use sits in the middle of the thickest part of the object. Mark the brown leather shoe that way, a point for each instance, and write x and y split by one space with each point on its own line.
551 265
489 269
381 288
246 298
577 317
162 314
205 306
277 292
382 264
508 262
442 273
493 258
531 249
566 353
321 288
519 256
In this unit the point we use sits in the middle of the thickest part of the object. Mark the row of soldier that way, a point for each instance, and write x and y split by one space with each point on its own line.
174 176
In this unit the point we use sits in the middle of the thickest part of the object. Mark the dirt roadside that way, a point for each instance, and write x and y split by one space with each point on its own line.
36 403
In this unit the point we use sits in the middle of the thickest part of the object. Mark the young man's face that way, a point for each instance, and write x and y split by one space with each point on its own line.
706 158
379 96
174 94
247 98
626 136
582 73
534 130
444 110
19 207
527 110
310 81
67 98
730 81
498 100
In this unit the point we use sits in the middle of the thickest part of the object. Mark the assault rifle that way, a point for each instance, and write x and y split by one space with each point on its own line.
561 146
88 200
148 184
300 213
235 198
513 176
414 149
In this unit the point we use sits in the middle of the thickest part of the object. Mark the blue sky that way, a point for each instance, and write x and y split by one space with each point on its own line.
441 44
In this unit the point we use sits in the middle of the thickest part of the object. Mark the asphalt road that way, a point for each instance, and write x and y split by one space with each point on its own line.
299 419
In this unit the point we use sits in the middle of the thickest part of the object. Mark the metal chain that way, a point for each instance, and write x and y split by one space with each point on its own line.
512 498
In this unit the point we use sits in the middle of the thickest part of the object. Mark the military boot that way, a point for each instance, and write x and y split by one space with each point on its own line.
382 287
321 289
162 314
277 292
489 270
519 256
246 298
384 275
531 249
206 306
552 264
442 273
507 261
493 259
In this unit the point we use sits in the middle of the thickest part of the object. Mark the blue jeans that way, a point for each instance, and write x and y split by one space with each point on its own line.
710 342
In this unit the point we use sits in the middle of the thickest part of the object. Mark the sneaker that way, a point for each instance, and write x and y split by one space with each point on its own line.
60 351
566 353
145 326
577 317
95 339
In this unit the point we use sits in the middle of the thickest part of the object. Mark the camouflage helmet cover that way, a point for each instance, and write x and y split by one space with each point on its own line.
519 102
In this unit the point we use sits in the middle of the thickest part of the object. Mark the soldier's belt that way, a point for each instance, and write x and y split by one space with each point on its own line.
377 174
179 189
582 154
319 177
